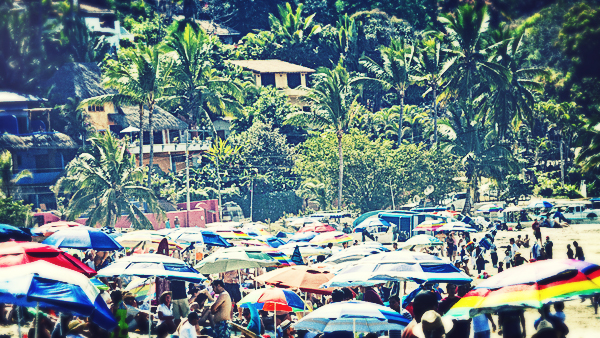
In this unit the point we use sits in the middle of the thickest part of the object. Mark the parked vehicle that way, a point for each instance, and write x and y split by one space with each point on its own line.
457 201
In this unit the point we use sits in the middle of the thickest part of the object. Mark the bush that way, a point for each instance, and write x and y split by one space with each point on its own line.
269 206
13 212
546 192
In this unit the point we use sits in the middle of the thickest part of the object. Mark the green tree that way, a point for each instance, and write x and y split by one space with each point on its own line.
393 73
104 182
290 27
333 106
142 77
14 212
203 92
7 179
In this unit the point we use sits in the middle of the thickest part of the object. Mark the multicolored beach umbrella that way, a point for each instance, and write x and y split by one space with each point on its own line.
430 225
530 286
335 237
490 208
233 234
273 299
282 258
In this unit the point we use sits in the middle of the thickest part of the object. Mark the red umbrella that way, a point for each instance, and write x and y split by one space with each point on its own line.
317 227
16 253
50 228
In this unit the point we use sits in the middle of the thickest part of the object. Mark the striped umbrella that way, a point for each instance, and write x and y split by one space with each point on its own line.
421 241
141 288
489 208
50 228
430 225
282 258
530 286
335 237
352 316
232 234
274 299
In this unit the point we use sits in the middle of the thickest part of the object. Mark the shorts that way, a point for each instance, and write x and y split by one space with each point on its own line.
181 308
233 289
482 334
222 329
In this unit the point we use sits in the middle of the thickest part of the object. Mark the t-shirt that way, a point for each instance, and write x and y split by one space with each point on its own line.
513 250
481 323
187 331
535 250
447 303
408 330
506 260
372 296
560 315
178 289
166 311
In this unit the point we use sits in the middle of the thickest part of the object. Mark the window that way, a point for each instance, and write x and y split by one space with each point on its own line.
267 79
95 108
294 80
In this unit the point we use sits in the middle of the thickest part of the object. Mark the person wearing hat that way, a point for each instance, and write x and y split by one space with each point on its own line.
135 318
424 301
519 259
545 330
75 329
432 326
166 325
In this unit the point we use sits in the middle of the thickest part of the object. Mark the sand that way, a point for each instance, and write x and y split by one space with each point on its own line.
581 320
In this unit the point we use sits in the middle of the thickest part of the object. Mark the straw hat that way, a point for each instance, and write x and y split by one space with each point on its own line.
128 295
75 325
431 321
543 326
163 295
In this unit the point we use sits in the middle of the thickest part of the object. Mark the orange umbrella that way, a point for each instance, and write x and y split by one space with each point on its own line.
305 278
50 228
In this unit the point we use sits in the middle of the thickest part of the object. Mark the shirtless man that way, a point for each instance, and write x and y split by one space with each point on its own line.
221 310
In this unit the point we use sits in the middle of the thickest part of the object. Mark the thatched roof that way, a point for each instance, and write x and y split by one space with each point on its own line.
37 141
161 119
271 66
89 9
82 80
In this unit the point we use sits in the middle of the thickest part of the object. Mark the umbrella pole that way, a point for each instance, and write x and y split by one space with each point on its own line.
275 319
353 327
150 311
37 320
18 308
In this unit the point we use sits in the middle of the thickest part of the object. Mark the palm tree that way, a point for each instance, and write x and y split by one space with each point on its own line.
417 119
105 182
333 105
202 90
291 27
430 70
393 73
472 76
7 181
142 77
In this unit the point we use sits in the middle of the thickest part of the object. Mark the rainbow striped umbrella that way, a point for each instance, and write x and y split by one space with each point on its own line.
141 288
282 258
430 225
233 234
334 237
530 286
273 299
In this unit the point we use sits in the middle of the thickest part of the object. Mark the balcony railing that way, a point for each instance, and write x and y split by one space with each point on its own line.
203 145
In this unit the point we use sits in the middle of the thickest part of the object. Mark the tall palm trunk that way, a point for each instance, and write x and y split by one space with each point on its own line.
401 117
141 134
151 130
435 116
341 165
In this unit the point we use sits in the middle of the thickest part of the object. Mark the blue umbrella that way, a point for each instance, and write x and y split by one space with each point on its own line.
197 235
539 204
51 286
302 237
8 232
352 316
83 238
273 242
371 222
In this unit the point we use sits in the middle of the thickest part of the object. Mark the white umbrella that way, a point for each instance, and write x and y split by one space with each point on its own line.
420 241
235 258
306 249
152 265
353 253
130 129
513 209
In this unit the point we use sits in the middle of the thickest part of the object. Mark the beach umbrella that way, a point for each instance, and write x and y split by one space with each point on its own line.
236 258
152 265
231 234
352 253
19 253
421 241
539 204
83 238
335 237
317 227
490 208
352 316
47 285
272 241
198 235
302 237
50 228
141 288
530 286
273 299
429 225
513 209
304 278
98 284
306 249
369 222
8 232
377 273
456 226
282 258
144 241
252 242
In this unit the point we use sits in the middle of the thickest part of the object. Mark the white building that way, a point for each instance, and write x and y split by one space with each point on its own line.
104 22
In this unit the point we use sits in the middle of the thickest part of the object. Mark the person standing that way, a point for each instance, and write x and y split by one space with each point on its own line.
481 326
536 227
535 251
494 254
167 224
221 310
548 247
512 324
451 253
232 285
181 307
570 254
176 222
513 248
578 251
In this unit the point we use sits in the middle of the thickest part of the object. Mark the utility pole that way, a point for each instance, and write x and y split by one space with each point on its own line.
562 165
392 193
187 174
251 199
219 185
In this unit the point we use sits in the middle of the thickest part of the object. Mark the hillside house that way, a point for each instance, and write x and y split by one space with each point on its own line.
83 80
102 21
285 76
26 131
